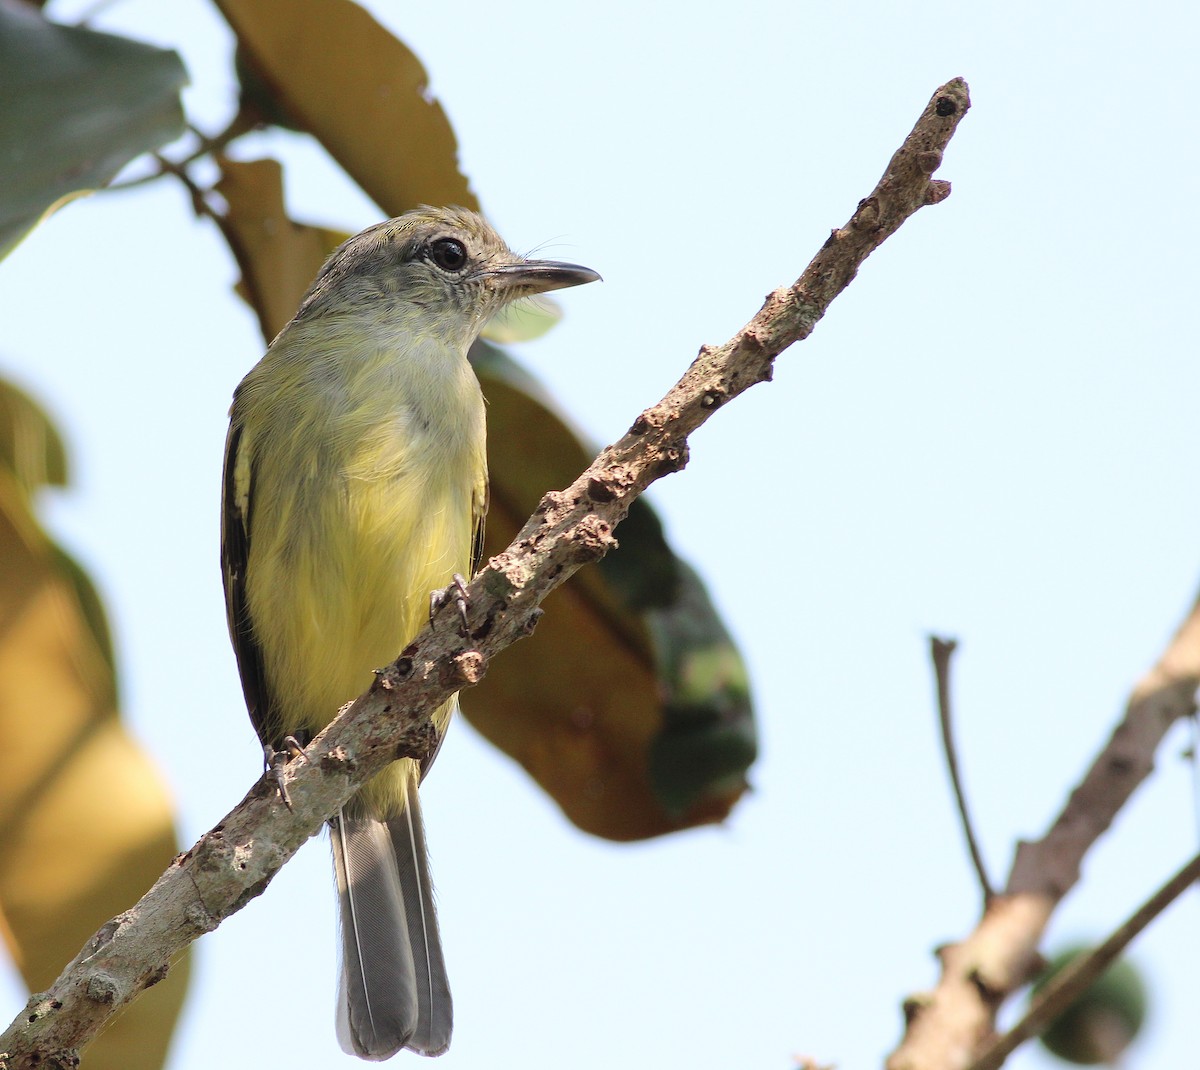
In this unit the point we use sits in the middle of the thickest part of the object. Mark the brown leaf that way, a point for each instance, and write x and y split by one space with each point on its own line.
278 258
340 75
85 820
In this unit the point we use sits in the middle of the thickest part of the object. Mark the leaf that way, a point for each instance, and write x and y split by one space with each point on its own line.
278 257
334 71
85 819
629 705
30 445
78 106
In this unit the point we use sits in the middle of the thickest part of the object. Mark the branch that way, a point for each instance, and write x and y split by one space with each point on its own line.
942 652
1073 981
236 860
945 1028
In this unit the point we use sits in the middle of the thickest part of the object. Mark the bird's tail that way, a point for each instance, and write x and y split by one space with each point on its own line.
393 992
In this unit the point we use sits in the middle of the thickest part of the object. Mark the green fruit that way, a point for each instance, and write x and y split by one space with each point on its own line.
1104 1021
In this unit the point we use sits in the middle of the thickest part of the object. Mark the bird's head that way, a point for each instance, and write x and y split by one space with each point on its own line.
444 267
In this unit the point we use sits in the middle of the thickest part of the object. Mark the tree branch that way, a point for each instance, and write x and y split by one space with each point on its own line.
945 1028
1073 981
236 860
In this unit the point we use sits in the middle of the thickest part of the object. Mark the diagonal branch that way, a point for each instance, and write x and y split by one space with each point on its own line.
236 860
946 1027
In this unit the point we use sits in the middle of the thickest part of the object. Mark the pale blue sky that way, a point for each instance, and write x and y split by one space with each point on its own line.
993 435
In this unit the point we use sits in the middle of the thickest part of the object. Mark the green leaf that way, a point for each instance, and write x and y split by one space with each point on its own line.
708 738
30 445
78 106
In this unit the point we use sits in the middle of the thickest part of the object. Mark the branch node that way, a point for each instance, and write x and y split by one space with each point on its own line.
102 988
937 191
867 215
599 491
107 931
672 460
594 538
471 666
915 1005
929 160
336 760
990 994
200 918
40 1005
419 742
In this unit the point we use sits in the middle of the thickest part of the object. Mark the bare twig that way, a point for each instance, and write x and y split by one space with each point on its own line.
199 197
243 122
942 652
946 1027
235 861
1072 981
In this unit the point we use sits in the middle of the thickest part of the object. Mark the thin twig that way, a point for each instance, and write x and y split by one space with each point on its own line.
1072 981
198 195
942 653
242 123
236 860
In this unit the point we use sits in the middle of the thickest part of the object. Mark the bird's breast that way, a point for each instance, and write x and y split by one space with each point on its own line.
382 470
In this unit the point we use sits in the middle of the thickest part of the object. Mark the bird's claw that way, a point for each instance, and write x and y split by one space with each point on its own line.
276 761
456 593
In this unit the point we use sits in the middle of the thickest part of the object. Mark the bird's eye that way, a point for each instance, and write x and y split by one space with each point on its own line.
448 253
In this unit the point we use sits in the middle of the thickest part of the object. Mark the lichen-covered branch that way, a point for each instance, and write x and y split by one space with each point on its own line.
235 861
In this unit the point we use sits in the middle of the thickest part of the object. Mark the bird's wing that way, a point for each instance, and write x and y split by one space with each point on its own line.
479 508
237 485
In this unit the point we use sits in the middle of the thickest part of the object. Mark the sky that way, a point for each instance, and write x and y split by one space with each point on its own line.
991 435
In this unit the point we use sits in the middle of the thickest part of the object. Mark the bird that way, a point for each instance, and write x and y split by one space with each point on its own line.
355 484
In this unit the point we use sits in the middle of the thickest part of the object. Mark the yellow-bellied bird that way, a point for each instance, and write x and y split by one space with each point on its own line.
355 485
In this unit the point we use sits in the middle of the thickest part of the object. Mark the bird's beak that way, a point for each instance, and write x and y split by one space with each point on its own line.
528 277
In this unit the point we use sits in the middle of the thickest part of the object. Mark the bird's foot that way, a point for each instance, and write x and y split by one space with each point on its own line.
276 760
456 593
